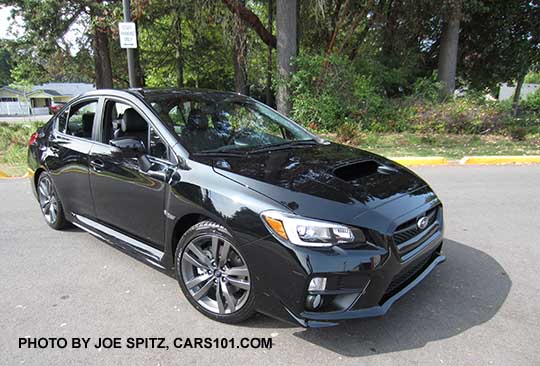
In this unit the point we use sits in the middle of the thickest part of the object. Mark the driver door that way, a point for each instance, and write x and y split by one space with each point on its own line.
126 197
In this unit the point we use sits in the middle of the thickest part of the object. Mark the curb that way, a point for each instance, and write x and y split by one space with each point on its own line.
4 175
497 160
418 161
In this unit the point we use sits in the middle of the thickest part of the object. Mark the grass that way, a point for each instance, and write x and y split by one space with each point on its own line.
13 170
449 146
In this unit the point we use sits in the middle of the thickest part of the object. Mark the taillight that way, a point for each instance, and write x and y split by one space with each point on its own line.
33 138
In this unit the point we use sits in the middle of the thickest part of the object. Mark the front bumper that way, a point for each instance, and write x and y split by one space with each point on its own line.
360 283
315 319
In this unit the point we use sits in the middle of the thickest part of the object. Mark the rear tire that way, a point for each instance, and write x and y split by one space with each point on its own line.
49 202
213 274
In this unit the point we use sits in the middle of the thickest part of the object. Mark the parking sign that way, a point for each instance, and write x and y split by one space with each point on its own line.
128 35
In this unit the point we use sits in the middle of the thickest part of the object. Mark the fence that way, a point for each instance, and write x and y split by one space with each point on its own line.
40 111
14 108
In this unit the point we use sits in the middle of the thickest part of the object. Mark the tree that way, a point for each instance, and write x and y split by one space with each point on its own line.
448 53
100 43
252 20
269 65
6 63
287 49
240 53
499 42
47 22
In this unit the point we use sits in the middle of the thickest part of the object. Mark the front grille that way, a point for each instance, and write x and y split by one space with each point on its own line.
409 230
406 276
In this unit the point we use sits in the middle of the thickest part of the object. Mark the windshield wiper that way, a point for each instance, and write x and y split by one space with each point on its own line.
284 145
218 153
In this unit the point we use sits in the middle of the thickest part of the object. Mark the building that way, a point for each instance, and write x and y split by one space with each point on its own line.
13 102
507 91
38 99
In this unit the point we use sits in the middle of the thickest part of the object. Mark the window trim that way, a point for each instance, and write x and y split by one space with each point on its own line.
67 109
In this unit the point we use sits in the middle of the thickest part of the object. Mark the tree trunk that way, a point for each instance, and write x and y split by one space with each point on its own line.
240 54
178 54
287 49
517 94
270 63
449 47
102 59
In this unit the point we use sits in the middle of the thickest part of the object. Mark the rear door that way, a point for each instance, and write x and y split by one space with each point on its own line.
126 197
67 160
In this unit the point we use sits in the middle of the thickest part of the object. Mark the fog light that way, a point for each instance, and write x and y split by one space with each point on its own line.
313 302
317 284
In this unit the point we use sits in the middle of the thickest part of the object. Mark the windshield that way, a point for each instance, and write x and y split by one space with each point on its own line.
226 123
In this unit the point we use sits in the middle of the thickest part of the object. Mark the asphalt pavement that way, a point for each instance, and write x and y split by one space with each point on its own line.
480 307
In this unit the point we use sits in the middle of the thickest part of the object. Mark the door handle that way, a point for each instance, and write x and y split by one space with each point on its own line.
97 164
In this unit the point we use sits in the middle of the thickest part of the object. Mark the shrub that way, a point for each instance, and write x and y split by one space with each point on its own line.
532 103
13 140
344 101
518 133
328 92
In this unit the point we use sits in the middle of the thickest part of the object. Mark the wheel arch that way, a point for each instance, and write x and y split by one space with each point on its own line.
37 173
181 226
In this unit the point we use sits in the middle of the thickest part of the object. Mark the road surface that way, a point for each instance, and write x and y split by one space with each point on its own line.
481 307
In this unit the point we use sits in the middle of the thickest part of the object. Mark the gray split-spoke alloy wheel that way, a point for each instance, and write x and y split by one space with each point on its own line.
50 204
213 274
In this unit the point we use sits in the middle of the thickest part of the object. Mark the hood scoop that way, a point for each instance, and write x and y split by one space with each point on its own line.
357 170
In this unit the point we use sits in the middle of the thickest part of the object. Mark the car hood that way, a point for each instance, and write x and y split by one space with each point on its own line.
312 180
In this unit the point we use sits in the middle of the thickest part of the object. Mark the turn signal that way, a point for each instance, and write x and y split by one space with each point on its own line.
277 226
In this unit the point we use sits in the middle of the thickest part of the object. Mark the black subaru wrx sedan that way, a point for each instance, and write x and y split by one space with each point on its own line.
249 210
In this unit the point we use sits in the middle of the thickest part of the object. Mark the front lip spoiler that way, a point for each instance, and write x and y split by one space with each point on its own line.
317 320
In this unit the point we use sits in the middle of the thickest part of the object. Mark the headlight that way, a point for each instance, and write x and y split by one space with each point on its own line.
306 232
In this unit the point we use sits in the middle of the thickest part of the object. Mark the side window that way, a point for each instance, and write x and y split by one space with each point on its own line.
157 146
121 120
114 114
80 120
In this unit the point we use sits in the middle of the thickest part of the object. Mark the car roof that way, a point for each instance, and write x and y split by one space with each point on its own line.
152 93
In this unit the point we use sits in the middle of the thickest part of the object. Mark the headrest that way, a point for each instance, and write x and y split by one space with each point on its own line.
133 122
88 122
197 120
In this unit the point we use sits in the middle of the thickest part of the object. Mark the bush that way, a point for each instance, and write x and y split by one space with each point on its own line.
518 133
13 142
336 98
328 92
532 103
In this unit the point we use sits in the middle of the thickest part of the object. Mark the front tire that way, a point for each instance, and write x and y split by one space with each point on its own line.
49 202
213 274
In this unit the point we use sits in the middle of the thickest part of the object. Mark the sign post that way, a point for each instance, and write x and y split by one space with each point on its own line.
128 40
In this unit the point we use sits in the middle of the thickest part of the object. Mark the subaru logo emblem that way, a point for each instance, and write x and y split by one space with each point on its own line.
422 222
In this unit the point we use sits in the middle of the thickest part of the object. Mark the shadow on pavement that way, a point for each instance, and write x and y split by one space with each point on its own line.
465 291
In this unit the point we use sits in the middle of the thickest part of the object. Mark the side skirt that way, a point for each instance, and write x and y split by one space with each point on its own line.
127 244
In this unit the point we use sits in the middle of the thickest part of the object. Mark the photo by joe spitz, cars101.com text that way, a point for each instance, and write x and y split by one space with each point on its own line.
247 209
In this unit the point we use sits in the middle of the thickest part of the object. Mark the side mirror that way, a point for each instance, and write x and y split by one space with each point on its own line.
128 147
